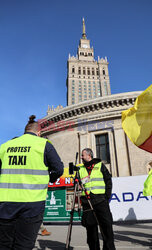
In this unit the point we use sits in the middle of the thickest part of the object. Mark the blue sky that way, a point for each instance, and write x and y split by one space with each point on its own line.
36 37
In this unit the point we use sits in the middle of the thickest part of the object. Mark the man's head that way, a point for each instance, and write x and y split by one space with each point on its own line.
32 125
87 155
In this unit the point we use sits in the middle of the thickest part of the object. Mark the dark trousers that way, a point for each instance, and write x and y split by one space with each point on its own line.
19 233
104 217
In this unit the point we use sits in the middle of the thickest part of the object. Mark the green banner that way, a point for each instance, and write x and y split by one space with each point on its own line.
58 205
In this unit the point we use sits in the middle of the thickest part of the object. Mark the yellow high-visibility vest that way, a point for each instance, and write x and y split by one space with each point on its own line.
93 183
23 177
148 185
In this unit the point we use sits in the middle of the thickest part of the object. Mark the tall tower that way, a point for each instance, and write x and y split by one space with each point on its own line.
86 78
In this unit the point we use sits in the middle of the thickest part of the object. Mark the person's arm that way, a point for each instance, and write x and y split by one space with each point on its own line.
53 162
107 180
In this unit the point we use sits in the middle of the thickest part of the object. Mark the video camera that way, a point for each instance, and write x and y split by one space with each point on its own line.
73 167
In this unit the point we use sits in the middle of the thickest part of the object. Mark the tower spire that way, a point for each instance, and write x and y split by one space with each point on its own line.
83 30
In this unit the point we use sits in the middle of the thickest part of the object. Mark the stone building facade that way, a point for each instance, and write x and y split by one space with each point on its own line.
93 117
97 124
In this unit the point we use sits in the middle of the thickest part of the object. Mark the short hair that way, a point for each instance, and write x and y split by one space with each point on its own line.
89 151
32 124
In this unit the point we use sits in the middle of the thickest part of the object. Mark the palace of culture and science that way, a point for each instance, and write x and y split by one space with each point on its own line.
86 78
92 117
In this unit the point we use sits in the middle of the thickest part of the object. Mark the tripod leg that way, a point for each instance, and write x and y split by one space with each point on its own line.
71 221
79 204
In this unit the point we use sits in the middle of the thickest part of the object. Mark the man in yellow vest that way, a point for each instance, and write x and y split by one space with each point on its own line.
96 179
26 163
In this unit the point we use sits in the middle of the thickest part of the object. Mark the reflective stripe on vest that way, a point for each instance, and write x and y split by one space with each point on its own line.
24 171
23 176
96 187
96 184
23 186
97 179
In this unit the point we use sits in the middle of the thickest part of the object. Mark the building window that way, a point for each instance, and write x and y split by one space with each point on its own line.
97 71
79 70
93 71
84 72
102 148
88 71
103 72
99 89
105 88
73 69
73 100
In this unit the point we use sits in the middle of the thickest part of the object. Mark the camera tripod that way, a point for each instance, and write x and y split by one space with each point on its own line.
77 185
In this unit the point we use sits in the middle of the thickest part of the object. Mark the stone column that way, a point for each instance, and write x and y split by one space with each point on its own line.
121 151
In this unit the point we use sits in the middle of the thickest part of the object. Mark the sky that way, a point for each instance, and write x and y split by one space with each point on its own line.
36 37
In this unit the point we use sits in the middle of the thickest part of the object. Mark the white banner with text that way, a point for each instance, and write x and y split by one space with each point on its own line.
127 200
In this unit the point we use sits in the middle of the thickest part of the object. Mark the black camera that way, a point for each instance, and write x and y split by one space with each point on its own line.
73 168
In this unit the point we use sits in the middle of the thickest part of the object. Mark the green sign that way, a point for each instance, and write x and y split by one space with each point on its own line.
58 205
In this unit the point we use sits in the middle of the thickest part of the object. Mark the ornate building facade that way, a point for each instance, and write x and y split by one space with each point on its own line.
86 78
93 117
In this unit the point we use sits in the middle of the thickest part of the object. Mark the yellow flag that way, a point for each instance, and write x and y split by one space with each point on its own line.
137 121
